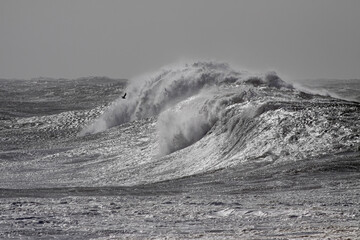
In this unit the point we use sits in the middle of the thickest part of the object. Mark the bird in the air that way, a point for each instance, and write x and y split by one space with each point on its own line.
124 96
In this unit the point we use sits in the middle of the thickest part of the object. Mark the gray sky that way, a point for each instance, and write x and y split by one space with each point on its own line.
125 38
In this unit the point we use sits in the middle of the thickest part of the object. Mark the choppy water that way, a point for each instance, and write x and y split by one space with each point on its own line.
196 150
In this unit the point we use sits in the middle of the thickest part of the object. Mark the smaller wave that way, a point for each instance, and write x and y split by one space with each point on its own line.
312 91
347 90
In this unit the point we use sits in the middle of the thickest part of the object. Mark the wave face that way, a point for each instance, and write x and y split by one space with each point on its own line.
224 117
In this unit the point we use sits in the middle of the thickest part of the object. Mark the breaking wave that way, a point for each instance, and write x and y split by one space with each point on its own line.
258 116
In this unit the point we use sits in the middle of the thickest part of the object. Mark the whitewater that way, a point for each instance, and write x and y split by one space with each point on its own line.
195 150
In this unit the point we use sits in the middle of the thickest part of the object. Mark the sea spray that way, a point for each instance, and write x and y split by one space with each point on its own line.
150 95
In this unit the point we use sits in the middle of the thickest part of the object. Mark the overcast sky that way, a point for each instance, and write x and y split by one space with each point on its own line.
120 38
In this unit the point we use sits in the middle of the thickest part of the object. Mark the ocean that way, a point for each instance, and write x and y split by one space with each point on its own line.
199 150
